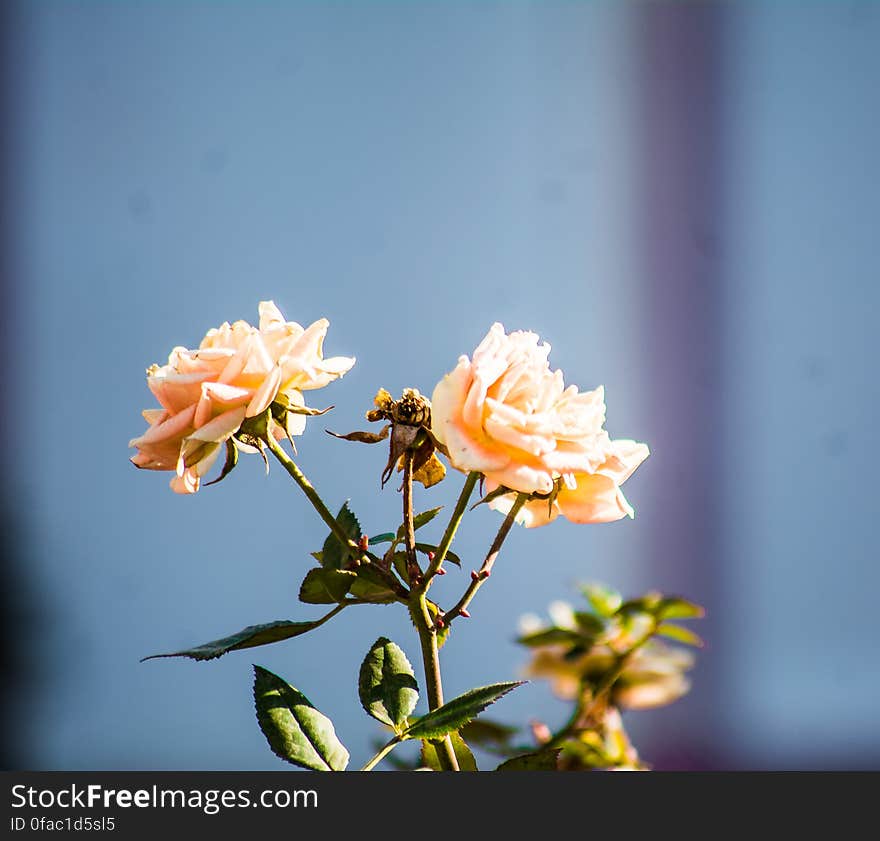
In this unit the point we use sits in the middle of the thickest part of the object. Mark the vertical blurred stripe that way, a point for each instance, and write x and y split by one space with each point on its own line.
13 610
678 48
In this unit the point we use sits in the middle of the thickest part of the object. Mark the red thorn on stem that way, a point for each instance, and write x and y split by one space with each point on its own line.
475 575
465 613
439 623
485 573
441 571
364 543
430 556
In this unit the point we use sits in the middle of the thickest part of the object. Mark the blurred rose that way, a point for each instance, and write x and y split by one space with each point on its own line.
653 676
549 663
507 415
236 373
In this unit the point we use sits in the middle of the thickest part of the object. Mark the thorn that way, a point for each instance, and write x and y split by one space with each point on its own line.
475 575
364 543
485 573
465 613
439 623
431 556
441 571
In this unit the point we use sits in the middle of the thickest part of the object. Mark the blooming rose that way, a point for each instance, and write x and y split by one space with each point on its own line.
507 415
236 373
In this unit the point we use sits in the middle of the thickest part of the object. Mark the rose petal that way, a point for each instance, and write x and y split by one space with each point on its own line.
472 454
623 458
175 427
537 512
535 445
596 499
221 427
175 392
155 416
448 397
270 316
265 394
526 477
218 397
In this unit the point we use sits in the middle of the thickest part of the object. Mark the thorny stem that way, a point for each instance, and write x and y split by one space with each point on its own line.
431 659
409 531
483 573
418 608
324 512
454 521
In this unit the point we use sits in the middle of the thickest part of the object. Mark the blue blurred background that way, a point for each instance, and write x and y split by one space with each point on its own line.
681 198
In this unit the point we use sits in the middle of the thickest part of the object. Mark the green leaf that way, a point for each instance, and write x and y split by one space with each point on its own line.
589 624
385 537
371 586
430 547
550 636
487 733
387 684
589 751
649 603
679 634
249 637
399 561
466 761
419 520
295 730
542 760
677 608
459 711
335 555
326 586
603 600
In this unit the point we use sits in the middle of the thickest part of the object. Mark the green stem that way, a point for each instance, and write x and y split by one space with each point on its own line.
418 607
570 726
308 489
452 527
479 577
431 660
382 754
338 609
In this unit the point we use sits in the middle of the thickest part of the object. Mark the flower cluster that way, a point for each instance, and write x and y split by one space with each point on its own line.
505 414
538 450
237 372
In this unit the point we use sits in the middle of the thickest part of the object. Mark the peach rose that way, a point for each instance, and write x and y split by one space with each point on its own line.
507 415
236 373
